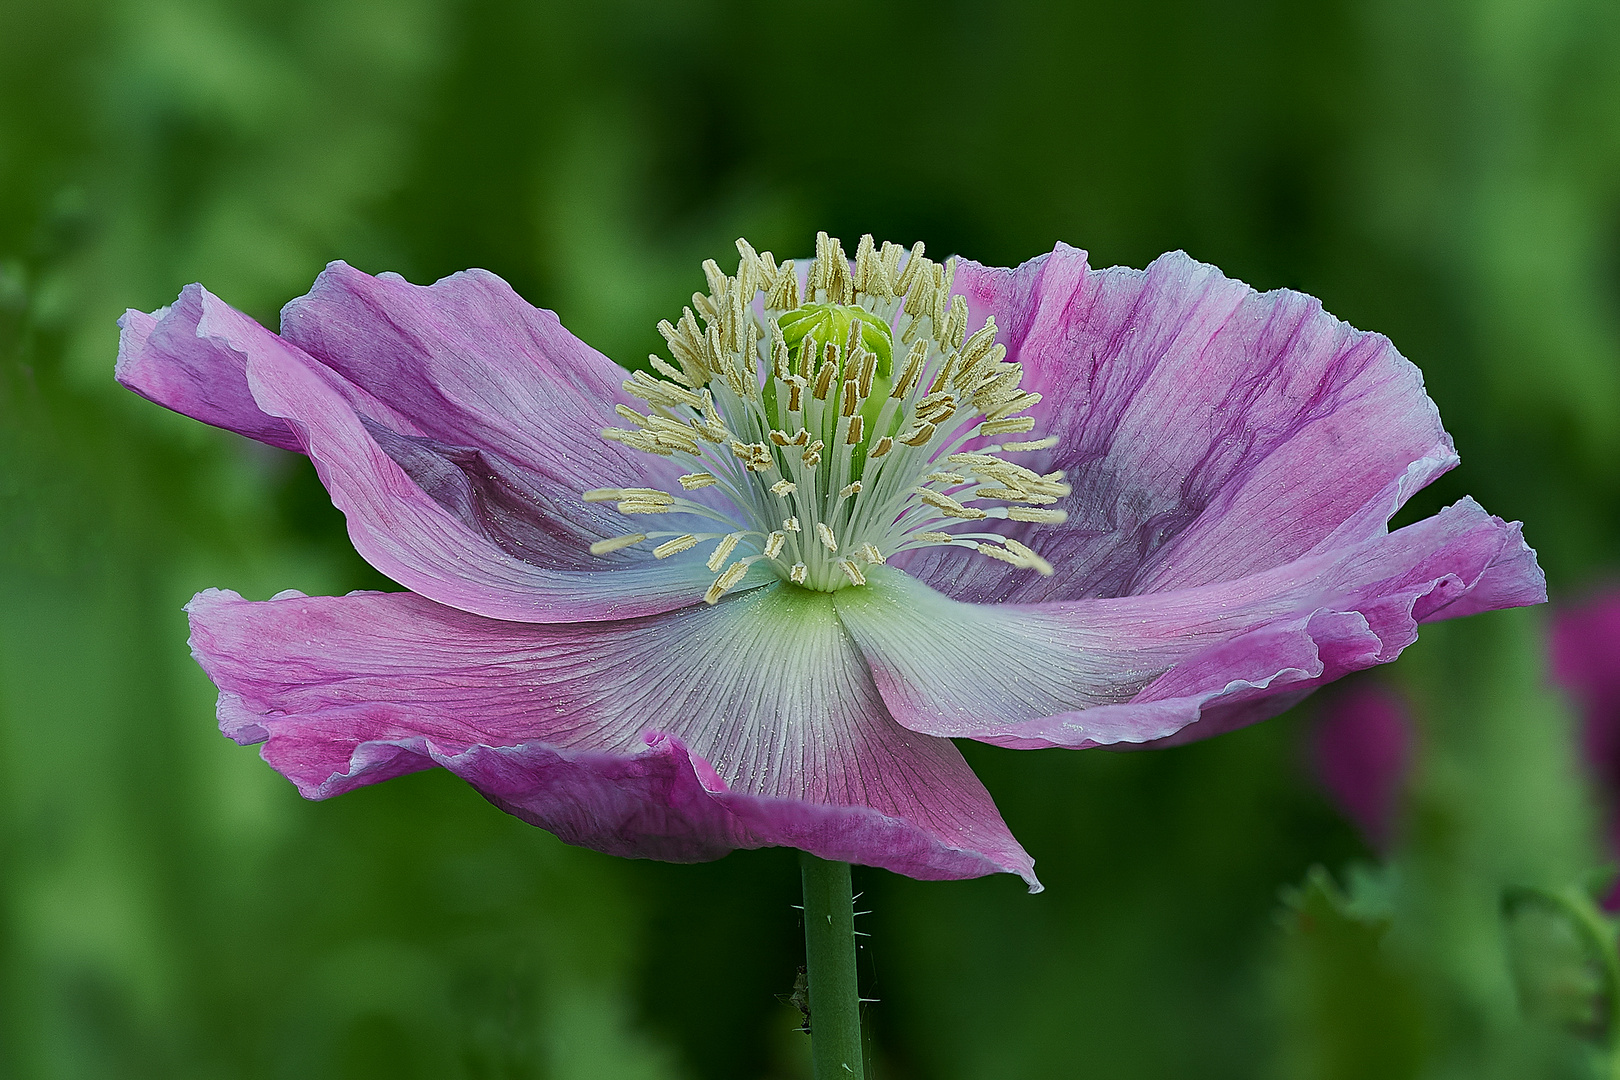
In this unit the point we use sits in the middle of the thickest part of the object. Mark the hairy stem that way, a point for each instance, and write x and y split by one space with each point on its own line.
829 947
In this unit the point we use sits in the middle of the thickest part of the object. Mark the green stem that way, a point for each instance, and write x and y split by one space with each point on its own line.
829 949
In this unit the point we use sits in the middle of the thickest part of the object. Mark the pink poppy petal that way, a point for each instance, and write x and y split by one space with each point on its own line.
679 736
161 358
1173 666
1210 432
472 364
460 527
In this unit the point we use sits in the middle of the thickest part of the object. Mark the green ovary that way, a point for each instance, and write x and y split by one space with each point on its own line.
824 323
831 322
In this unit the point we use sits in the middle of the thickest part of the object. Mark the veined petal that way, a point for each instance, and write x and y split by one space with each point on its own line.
473 365
678 736
161 358
1177 665
1209 431
465 528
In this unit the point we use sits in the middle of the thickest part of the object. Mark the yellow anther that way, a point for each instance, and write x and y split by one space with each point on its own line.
824 381
1000 553
756 457
852 488
976 347
694 480
1045 517
603 495
791 524
949 506
773 544
918 434
657 392
733 574
852 571
638 440
914 265
646 495
935 537
669 371
1032 560
602 547
870 552
722 550
685 542
824 533
936 408
784 488
1004 427
915 359
798 573
1017 403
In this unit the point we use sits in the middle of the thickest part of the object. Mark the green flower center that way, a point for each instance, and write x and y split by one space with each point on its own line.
833 452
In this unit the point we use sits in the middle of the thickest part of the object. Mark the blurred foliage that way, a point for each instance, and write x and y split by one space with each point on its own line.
1448 173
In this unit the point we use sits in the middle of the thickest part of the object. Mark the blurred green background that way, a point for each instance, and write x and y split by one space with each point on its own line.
1445 172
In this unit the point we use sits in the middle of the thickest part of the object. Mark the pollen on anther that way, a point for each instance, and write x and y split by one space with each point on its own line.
852 488
773 544
825 534
797 574
1006 427
733 574
723 549
784 488
674 547
1036 444
1045 517
852 572
1001 554
694 480
602 547
1031 559
918 434
791 524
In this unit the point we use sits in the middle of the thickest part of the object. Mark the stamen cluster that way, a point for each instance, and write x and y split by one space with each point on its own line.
834 420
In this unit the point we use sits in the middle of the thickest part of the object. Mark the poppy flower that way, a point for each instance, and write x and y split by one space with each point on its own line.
1585 653
748 595
1362 747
